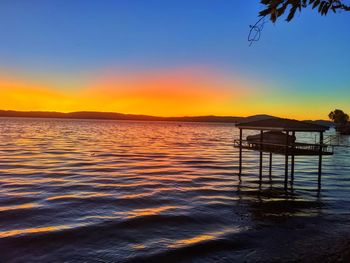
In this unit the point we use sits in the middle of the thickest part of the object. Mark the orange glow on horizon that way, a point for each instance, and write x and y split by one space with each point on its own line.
162 93
166 92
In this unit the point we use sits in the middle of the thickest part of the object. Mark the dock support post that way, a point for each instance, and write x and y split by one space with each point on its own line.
320 161
261 155
270 167
240 152
292 166
286 162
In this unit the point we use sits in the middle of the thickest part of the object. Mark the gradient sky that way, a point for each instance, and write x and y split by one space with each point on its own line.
170 58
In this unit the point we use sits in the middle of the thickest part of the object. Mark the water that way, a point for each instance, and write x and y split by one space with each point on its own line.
118 191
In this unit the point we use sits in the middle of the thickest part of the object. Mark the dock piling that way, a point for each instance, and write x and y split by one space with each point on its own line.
286 163
261 155
270 167
292 162
240 152
320 161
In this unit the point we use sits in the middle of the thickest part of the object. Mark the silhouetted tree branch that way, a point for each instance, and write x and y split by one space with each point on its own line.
255 30
276 8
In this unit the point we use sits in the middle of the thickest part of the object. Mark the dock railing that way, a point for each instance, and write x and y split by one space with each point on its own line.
337 140
291 148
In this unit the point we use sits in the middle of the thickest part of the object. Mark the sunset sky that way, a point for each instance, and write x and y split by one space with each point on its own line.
170 58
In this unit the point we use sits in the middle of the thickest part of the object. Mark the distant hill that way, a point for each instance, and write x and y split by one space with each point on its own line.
321 122
264 116
258 117
121 116
116 116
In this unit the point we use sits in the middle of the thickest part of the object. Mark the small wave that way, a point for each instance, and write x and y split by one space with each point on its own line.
19 207
196 247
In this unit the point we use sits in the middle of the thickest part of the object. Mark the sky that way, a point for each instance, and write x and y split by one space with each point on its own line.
171 58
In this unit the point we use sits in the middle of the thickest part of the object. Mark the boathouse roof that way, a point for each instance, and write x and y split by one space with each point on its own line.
280 124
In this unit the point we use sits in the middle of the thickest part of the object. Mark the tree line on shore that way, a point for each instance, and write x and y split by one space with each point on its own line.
341 121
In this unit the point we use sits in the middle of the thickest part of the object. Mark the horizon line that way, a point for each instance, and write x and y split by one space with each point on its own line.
138 114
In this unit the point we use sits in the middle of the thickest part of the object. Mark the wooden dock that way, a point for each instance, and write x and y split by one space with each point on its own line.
293 149
287 148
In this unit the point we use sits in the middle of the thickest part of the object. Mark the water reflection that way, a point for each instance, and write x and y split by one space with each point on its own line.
133 191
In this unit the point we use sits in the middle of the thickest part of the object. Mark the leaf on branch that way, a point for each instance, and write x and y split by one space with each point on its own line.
276 8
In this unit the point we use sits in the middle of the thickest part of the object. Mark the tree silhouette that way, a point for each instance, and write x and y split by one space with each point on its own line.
276 8
339 117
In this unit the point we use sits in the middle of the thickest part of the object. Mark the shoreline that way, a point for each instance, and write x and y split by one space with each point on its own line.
92 115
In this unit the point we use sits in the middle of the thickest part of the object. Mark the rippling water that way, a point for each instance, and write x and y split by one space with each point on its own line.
117 191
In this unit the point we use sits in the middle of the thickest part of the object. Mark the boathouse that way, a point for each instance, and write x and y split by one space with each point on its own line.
278 136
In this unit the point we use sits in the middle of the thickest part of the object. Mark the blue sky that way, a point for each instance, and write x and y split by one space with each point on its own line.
306 57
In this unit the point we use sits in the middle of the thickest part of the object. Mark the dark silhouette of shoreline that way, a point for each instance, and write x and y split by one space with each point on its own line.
135 117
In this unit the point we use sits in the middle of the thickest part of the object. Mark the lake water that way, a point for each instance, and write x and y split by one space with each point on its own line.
118 191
